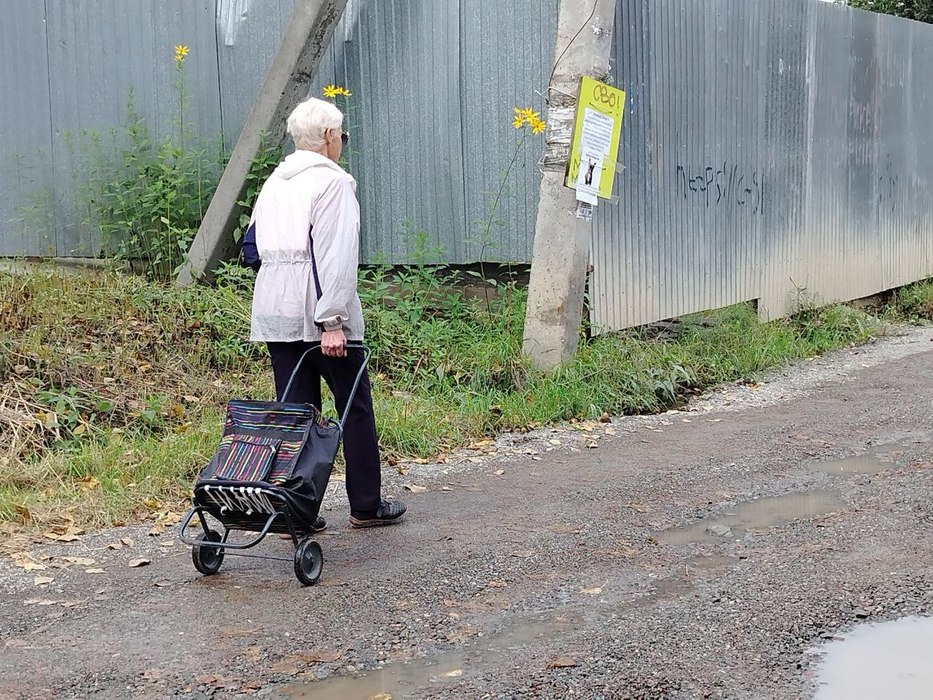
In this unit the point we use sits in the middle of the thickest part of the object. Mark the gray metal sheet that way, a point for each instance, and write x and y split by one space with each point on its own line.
25 132
101 49
775 151
402 66
771 147
507 56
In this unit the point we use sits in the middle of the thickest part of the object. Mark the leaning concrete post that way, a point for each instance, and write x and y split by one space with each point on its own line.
562 241
307 37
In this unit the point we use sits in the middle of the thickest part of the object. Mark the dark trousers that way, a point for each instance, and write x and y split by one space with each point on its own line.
360 445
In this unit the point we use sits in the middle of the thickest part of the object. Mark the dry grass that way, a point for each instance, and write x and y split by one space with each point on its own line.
112 388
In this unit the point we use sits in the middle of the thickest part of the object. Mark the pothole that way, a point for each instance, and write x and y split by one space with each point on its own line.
760 514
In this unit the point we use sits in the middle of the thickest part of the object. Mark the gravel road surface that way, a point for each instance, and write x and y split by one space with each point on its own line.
706 553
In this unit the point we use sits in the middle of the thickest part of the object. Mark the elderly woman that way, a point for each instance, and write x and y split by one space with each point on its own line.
304 240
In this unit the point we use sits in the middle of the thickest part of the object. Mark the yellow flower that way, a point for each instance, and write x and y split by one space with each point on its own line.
530 118
334 90
181 52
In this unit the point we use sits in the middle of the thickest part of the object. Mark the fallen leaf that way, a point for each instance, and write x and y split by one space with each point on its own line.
94 571
161 584
381 696
564 529
66 537
319 657
592 591
23 514
88 482
525 554
170 518
80 561
446 488
115 545
554 442
26 562
167 543
127 541
499 472
205 679
592 445
286 667
454 674
136 563
414 488
401 470
42 580
156 530
562 662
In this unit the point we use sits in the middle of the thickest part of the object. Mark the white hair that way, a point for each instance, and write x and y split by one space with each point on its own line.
310 119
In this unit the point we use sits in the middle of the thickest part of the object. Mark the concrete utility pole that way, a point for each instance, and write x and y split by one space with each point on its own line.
307 37
562 241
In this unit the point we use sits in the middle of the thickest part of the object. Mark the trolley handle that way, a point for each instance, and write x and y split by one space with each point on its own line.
367 353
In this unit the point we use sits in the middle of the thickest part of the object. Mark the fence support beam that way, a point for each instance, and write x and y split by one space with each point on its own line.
562 241
307 37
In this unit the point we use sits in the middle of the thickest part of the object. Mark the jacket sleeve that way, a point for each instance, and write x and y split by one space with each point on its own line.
249 253
335 249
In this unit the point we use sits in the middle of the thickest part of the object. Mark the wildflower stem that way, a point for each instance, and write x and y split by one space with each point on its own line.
492 215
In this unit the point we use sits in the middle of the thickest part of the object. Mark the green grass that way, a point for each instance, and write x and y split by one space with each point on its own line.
916 301
112 388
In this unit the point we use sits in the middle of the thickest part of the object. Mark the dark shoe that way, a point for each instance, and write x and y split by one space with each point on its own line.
388 513
319 525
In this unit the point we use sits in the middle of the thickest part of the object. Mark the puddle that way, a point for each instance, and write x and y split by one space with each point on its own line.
396 682
886 660
873 461
407 680
755 515
877 459
866 464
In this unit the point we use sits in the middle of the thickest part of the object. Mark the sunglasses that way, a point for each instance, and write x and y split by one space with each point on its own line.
344 138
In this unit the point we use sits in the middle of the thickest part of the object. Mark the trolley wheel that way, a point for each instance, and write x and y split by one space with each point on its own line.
207 560
309 561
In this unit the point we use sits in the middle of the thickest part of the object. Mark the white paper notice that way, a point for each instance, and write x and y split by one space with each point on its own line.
595 141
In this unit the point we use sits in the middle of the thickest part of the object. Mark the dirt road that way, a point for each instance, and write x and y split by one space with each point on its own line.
695 554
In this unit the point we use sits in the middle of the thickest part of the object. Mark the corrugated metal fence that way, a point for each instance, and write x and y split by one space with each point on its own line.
769 146
433 83
773 149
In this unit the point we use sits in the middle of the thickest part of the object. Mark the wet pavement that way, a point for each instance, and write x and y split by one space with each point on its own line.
704 553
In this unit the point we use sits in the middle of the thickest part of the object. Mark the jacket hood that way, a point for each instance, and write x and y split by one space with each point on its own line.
302 161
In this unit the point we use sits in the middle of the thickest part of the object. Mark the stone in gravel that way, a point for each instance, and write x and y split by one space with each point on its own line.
720 530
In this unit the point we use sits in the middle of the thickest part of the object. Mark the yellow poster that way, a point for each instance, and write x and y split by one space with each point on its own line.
594 150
